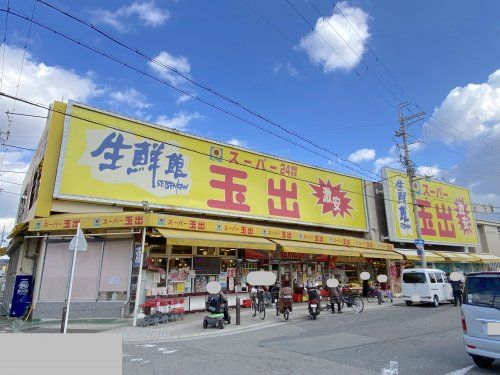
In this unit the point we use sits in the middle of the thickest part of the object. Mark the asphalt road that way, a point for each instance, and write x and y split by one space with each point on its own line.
393 341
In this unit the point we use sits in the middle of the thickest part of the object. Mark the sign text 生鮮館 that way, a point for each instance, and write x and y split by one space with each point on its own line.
111 159
444 210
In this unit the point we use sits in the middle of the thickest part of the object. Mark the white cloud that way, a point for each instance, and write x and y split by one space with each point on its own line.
179 63
237 142
362 154
147 11
131 98
326 47
8 224
469 112
183 99
472 120
287 68
388 161
433 171
179 121
43 84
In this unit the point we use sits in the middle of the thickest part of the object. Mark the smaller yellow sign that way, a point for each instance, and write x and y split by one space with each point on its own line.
444 211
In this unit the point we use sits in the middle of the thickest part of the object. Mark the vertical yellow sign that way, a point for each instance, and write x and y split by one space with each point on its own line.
444 211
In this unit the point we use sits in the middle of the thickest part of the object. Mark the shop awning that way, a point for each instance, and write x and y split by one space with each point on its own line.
315 248
412 255
488 258
457 257
190 238
18 228
379 254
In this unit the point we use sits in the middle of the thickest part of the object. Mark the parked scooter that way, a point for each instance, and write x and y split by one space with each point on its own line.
314 304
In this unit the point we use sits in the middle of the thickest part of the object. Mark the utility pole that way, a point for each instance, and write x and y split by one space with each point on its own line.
404 123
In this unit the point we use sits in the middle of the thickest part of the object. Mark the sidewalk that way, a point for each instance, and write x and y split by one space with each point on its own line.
189 328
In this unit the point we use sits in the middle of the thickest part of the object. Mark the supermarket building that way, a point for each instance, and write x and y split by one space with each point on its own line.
201 210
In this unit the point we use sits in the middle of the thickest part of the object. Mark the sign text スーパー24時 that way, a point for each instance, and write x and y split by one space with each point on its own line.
110 159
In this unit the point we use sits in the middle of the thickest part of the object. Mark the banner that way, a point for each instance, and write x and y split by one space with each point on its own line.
110 159
444 211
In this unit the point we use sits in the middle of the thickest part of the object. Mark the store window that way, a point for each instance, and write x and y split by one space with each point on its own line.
56 272
181 250
206 251
229 253
157 250
227 263
179 275
115 269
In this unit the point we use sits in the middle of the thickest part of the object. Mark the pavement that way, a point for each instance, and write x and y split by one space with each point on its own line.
189 328
380 341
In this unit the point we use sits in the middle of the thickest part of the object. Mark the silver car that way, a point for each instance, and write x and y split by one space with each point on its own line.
481 317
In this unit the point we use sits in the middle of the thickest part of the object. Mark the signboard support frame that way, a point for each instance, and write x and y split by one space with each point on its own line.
139 279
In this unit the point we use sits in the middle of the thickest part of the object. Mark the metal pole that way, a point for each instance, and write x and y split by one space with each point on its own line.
411 174
139 278
75 251
238 311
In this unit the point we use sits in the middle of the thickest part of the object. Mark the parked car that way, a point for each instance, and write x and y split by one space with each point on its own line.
425 285
481 317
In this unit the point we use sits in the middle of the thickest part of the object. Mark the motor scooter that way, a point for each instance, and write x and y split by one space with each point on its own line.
314 304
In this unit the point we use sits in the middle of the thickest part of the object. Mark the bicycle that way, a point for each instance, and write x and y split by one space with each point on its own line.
258 305
373 295
353 301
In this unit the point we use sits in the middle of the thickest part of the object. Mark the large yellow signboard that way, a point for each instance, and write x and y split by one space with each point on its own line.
444 211
110 159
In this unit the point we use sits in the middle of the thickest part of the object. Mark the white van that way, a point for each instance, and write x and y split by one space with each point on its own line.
425 285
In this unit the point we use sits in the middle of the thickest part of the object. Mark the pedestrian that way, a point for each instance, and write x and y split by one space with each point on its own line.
335 299
457 291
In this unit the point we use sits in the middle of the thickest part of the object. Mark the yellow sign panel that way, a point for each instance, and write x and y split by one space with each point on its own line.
110 159
444 211
189 224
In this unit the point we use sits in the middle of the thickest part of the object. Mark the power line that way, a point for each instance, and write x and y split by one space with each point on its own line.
4 44
24 54
12 172
19 147
352 67
26 101
196 97
325 19
11 182
267 21
2 191
26 114
137 69
376 108
377 59
403 91
203 86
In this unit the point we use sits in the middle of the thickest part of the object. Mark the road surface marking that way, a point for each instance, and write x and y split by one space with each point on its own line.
462 371
393 369
166 351
146 345
137 359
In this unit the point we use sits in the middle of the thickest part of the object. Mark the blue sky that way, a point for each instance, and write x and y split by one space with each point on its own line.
444 54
